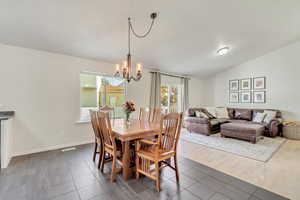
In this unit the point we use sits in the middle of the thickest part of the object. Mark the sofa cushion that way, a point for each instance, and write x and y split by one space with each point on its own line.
230 113
201 114
243 114
222 120
258 117
218 121
221 112
211 111
240 121
191 111
243 127
270 115
197 120
214 122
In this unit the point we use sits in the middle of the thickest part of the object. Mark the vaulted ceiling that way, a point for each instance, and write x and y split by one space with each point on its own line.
184 40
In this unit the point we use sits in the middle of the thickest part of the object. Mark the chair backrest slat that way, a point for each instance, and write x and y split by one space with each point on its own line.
95 124
156 115
144 114
105 130
150 114
170 131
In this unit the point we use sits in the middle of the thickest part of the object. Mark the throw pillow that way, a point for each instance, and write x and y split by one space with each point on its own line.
269 116
201 114
222 113
259 117
243 114
231 113
211 111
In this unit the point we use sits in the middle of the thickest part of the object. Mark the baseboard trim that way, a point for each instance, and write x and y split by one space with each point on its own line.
55 147
6 163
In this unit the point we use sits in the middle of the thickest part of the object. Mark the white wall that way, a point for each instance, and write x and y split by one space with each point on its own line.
282 71
200 93
44 90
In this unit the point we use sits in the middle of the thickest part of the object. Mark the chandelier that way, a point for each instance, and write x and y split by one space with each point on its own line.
124 69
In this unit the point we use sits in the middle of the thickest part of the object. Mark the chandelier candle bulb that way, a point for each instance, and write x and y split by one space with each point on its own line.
124 64
117 68
139 67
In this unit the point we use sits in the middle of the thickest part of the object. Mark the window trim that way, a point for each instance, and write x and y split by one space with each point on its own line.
82 121
179 93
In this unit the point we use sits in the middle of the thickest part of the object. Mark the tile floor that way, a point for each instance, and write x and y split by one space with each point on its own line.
72 175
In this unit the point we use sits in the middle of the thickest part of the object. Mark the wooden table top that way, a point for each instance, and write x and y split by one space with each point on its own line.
136 129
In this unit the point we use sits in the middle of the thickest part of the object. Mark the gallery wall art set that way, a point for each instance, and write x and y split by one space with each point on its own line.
248 90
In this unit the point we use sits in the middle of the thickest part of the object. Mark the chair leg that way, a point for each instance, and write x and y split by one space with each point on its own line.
137 165
176 168
95 151
113 169
100 156
157 176
102 160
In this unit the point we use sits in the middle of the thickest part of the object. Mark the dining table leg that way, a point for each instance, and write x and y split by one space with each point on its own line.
126 160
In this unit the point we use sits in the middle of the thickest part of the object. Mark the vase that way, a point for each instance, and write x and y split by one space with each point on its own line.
127 117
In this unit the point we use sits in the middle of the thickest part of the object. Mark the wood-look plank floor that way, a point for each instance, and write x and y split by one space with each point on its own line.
57 175
281 174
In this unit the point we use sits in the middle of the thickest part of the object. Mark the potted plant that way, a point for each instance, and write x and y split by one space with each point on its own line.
128 107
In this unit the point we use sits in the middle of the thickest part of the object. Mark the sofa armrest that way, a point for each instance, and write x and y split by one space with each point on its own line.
197 120
274 126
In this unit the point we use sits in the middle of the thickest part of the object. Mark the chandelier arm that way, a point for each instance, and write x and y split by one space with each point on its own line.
143 35
135 78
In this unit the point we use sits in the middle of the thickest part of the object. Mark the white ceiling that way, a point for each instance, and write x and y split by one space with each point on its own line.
184 39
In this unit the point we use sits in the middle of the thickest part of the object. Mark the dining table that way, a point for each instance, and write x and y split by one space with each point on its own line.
128 132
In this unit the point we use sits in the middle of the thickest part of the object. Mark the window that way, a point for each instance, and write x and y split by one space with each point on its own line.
170 94
97 91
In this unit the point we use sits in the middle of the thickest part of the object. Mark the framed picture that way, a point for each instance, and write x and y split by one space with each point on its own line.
233 97
234 85
259 97
246 97
246 84
259 83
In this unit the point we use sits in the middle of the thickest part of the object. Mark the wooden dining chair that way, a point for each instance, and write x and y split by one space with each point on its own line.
98 140
144 114
109 110
156 115
158 152
109 145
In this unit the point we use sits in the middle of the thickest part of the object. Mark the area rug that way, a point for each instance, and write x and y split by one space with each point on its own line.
262 151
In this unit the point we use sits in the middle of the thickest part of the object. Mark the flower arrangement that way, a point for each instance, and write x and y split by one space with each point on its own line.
128 108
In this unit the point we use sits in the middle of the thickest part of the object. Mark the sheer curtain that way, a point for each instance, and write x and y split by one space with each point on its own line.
155 90
185 93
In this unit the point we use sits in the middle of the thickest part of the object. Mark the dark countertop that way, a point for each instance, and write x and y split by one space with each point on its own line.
6 114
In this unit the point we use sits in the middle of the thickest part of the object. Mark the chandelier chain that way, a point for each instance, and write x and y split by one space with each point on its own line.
141 35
